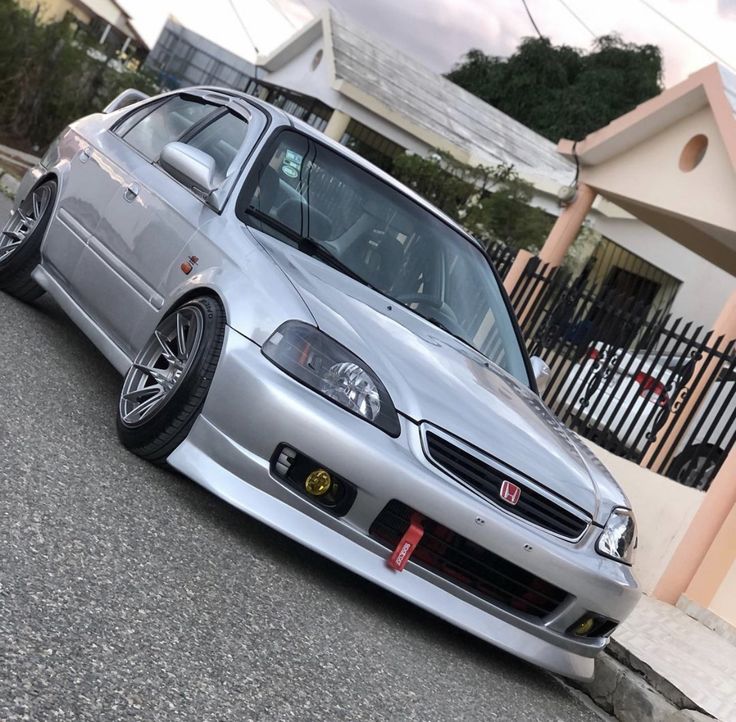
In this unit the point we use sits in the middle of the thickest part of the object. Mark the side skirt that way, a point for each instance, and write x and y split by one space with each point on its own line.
109 349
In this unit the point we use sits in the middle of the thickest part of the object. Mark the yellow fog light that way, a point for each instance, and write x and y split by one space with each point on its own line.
584 627
318 482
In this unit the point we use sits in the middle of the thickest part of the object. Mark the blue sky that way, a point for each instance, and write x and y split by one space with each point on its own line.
439 31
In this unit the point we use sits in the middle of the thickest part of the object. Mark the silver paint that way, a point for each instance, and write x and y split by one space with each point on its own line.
121 229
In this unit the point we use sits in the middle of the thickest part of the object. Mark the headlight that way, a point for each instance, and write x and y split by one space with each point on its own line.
618 538
328 368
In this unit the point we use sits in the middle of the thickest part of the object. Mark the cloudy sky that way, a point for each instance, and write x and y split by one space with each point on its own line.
439 31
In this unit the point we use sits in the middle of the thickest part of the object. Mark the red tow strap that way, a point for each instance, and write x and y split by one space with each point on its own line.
408 543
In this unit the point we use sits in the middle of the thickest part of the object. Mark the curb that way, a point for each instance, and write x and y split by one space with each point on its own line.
629 697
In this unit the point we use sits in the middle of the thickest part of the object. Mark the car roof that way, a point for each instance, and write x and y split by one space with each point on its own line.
281 117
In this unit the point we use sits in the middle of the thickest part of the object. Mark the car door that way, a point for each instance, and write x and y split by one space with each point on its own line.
150 216
84 195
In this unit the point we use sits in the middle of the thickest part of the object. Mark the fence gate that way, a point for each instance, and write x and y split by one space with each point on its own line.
622 372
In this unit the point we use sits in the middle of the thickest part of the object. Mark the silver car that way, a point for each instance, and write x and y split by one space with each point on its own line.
323 349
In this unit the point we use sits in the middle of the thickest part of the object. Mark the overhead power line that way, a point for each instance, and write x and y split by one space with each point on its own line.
245 29
688 35
578 18
526 7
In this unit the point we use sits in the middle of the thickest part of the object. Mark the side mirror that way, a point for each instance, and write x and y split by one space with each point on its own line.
126 98
541 372
189 166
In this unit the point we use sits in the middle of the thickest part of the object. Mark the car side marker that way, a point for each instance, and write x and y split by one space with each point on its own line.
407 544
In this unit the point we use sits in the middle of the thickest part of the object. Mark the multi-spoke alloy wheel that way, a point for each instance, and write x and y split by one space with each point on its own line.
20 242
161 364
24 222
168 381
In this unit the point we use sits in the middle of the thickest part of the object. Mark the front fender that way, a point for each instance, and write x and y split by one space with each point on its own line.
255 292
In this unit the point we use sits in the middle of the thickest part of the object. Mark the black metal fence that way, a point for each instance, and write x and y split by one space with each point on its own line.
658 390
502 256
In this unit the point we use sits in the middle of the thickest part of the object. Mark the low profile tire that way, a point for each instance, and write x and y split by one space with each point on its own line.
20 242
165 388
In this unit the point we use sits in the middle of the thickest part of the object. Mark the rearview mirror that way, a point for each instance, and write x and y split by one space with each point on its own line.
189 166
541 372
126 98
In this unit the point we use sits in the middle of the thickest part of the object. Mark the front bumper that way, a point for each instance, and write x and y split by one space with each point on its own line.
252 407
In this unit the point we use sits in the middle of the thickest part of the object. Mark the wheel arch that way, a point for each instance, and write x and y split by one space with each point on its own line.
195 292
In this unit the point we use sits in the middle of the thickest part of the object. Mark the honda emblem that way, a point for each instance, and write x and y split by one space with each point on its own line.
510 493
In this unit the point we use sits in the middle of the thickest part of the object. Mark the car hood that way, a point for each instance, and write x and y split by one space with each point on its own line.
432 377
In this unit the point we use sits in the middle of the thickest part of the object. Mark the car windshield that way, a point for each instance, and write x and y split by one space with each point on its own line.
327 205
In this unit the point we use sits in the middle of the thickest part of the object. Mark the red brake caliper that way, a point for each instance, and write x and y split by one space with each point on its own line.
408 543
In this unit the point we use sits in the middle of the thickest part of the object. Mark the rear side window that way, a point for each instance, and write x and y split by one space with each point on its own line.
149 132
221 139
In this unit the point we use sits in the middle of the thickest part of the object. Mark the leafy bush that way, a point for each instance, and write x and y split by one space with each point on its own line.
491 202
50 76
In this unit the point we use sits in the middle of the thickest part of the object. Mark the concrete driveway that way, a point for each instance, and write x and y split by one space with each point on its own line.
128 592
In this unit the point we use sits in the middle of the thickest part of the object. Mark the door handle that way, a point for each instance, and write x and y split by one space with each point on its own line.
131 192
85 155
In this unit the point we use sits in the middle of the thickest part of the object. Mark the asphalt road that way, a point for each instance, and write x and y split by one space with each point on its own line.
128 592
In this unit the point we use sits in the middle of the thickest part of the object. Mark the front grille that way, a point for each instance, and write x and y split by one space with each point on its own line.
532 505
468 565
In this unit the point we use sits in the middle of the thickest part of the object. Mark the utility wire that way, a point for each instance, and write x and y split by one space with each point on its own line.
526 7
578 18
245 29
687 34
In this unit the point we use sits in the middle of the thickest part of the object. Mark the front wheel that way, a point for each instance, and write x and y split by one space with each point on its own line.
20 242
165 388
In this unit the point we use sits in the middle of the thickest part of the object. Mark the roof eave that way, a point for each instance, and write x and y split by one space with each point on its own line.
293 45
704 87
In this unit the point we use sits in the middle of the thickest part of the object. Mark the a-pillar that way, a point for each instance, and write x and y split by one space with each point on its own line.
337 125
567 226
715 507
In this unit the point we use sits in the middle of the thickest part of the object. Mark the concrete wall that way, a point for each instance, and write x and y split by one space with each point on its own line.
705 287
724 602
663 511
714 584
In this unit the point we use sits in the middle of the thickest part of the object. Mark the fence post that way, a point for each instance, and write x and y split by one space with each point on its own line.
700 380
718 502
517 267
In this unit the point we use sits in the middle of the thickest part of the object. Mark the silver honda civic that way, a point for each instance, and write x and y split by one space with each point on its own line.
323 349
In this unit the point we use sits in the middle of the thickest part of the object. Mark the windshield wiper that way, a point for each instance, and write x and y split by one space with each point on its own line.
436 322
309 245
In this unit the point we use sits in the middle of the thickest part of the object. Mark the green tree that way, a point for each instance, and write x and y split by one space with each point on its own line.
563 92
492 203
50 75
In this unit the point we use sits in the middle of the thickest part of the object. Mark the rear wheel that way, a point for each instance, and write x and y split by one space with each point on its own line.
165 388
20 242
